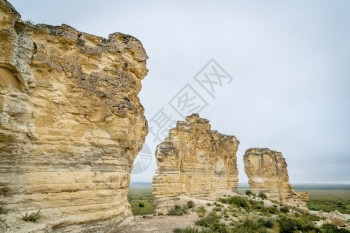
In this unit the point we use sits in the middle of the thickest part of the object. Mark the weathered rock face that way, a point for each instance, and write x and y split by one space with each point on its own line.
194 161
334 217
71 124
267 172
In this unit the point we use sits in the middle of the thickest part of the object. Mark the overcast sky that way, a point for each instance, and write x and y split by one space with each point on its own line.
289 62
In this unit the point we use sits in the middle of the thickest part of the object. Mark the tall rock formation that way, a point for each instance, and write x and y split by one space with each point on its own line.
71 124
196 162
267 172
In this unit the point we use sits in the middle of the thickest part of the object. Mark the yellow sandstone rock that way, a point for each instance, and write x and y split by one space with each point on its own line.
71 124
267 172
196 162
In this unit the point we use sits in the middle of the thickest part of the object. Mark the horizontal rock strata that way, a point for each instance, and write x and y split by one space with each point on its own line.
194 161
267 172
71 124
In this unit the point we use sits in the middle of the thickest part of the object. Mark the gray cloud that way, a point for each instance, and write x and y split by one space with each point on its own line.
289 60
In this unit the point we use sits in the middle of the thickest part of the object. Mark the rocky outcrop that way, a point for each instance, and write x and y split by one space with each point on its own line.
194 161
71 124
333 217
267 172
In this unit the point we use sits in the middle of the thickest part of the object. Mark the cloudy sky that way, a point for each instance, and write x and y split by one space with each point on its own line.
284 66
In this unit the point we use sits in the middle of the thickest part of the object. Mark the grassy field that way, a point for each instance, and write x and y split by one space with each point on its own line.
139 195
326 198
329 200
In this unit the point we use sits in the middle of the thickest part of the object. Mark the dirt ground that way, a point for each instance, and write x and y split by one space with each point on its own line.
160 224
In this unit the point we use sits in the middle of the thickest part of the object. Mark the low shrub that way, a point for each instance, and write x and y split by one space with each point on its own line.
186 230
30 22
238 201
302 214
217 204
250 226
248 192
141 204
32 217
268 223
5 191
201 211
257 205
223 200
190 204
235 214
290 225
177 210
275 202
272 209
218 228
262 195
3 210
209 220
284 209
331 228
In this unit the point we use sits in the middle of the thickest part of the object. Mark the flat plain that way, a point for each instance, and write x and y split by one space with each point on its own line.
326 197
140 198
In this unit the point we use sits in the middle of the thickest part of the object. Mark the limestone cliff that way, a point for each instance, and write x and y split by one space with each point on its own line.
71 124
267 172
194 161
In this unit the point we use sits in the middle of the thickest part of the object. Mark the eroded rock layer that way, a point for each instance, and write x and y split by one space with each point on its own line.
267 172
71 124
194 161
